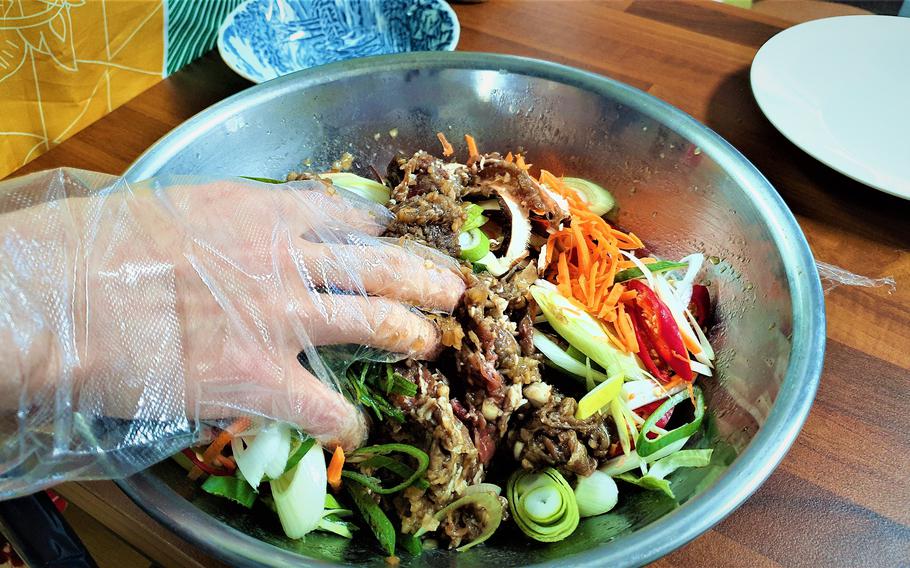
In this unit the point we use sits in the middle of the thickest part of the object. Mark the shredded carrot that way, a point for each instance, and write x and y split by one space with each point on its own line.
628 296
510 158
223 439
472 145
447 149
520 162
583 258
333 472
615 294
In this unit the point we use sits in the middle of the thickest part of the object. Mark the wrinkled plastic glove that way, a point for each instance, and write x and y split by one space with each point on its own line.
132 315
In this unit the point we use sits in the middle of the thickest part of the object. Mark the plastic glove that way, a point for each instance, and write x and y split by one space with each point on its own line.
133 314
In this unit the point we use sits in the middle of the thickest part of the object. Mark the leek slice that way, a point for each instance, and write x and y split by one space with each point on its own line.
299 494
474 244
542 504
263 455
562 359
361 186
485 500
596 494
583 332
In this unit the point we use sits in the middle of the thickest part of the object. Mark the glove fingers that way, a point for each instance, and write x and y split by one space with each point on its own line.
318 209
375 322
382 270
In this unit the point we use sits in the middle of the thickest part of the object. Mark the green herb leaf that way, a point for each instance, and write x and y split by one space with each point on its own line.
378 522
263 180
234 488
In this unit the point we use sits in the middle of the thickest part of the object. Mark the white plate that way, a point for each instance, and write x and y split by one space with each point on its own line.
839 88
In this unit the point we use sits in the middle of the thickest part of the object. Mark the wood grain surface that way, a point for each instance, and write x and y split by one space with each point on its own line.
842 495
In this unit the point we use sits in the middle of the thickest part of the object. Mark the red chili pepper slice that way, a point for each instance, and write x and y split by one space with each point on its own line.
646 411
656 331
700 304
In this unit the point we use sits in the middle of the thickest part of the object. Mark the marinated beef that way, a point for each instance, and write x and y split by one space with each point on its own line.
551 436
431 424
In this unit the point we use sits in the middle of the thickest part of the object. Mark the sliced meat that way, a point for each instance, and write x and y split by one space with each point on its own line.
432 425
551 436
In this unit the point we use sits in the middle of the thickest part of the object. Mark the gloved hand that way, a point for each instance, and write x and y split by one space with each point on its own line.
132 314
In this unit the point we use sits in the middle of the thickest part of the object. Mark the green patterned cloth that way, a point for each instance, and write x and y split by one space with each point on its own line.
192 29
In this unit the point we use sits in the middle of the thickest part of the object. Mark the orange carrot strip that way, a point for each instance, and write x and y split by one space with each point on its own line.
628 295
223 439
520 162
333 472
472 145
615 293
510 158
447 149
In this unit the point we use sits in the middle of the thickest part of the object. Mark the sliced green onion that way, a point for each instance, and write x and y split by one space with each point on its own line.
474 218
234 488
659 266
632 461
333 524
599 397
411 544
561 359
364 187
542 504
377 520
596 494
599 200
484 487
655 480
396 467
583 332
474 244
646 446
363 454
621 425
333 507
485 500
305 444
300 494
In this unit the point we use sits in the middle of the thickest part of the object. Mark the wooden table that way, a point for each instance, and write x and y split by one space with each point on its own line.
842 495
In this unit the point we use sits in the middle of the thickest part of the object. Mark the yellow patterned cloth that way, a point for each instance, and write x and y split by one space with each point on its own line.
66 63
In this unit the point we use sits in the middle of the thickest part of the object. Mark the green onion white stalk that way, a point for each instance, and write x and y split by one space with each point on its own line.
299 494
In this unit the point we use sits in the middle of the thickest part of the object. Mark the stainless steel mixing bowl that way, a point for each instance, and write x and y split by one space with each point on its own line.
680 187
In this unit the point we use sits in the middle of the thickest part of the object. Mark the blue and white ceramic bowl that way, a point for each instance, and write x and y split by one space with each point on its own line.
264 39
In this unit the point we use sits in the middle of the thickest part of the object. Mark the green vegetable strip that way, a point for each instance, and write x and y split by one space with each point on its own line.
263 180
411 544
377 520
396 467
234 488
646 447
659 266
474 218
298 454
363 454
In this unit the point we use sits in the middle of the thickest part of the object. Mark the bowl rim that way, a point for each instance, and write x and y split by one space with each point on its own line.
741 479
229 57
